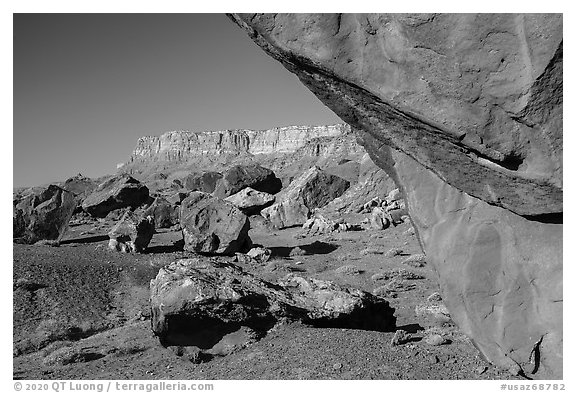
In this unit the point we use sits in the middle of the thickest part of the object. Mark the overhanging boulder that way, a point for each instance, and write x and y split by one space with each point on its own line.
472 106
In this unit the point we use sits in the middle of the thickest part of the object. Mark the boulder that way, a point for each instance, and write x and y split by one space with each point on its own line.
165 214
239 177
115 193
205 181
132 233
313 189
81 186
464 112
197 301
251 201
212 225
42 214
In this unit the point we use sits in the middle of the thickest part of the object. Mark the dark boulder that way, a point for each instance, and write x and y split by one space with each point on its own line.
42 214
165 214
239 177
212 225
205 181
115 193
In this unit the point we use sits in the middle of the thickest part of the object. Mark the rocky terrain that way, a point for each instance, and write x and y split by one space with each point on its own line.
331 250
421 241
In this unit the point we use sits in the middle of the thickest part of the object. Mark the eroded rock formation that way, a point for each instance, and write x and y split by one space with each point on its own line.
471 105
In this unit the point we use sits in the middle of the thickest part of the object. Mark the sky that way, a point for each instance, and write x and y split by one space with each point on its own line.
87 86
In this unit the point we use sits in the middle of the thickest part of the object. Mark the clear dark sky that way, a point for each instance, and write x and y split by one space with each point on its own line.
87 86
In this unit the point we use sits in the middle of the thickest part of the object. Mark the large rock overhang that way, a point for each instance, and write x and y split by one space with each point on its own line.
464 111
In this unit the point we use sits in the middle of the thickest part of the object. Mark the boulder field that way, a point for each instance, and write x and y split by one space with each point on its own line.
464 111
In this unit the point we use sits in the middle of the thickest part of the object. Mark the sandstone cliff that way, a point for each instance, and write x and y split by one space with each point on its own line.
471 105
186 145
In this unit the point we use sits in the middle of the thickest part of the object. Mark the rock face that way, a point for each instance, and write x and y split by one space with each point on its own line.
115 193
132 233
251 201
42 214
472 106
314 189
211 225
197 301
255 176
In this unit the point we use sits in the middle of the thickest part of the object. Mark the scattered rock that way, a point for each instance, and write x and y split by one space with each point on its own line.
434 312
379 219
480 370
251 201
435 340
69 355
318 224
393 252
398 285
260 254
115 193
416 260
396 273
313 189
132 233
337 366
211 225
400 337
348 270
371 250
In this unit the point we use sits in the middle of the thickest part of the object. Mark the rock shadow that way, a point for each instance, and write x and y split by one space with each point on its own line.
316 248
85 240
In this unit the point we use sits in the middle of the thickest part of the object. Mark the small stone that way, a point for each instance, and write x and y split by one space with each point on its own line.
435 297
393 252
416 260
400 337
434 359
337 366
369 251
348 270
480 370
297 252
435 340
